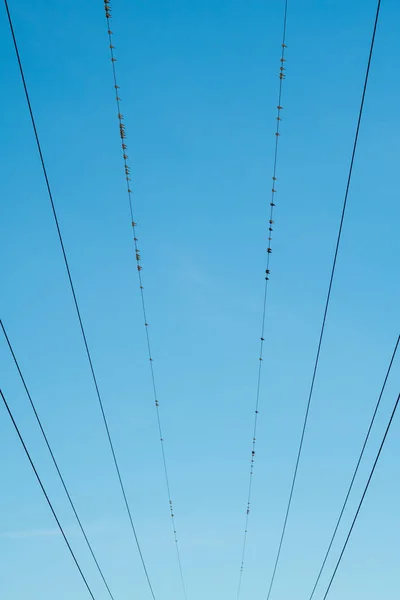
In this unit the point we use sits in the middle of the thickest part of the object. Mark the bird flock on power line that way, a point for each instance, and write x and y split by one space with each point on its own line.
120 480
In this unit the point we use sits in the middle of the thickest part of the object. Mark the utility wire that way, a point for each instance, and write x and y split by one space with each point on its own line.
356 469
54 460
45 494
362 498
267 274
76 301
122 133
321 335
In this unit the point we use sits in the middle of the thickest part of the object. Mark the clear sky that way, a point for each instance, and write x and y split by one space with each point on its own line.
199 87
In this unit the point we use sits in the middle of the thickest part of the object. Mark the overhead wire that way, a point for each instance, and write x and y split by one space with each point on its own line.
327 301
46 495
78 312
362 498
127 176
44 435
356 469
282 76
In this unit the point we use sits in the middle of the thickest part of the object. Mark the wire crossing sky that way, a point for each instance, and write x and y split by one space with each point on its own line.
282 76
327 302
78 312
362 497
45 495
81 527
127 172
356 468
199 94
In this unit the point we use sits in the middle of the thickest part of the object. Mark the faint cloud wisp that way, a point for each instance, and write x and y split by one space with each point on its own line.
29 533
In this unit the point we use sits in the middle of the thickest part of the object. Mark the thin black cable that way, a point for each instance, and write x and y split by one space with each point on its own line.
356 469
267 274
75 299
362 497
45 494
122 133
327 300
54 460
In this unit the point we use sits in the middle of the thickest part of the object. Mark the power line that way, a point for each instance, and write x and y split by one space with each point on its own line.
356 469
122 133
326 302
54 460
45 493
267 274
76 301
362 497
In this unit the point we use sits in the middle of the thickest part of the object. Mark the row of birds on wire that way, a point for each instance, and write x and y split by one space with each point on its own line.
127 176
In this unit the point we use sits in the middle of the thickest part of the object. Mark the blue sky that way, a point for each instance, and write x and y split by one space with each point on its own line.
199 87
